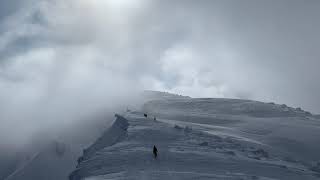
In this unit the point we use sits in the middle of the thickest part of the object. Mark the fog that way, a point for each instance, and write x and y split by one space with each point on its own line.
50 79
62 62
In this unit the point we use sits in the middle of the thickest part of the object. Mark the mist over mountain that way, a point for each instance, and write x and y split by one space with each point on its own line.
66 67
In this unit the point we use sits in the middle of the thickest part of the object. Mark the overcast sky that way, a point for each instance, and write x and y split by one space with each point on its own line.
58 55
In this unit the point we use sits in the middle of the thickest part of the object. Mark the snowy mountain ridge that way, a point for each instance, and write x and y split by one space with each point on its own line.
205 139
197 138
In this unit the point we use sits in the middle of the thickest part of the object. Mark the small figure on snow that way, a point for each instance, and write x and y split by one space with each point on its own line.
155 152
145 115
154 118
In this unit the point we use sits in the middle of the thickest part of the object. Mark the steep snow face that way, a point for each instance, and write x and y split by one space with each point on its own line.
197 141
116 133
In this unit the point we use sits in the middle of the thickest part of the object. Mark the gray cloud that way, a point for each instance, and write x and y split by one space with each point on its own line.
81 55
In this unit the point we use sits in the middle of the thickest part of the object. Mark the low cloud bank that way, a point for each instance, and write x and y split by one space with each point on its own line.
62 61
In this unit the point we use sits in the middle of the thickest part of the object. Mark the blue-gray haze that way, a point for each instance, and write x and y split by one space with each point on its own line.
61 59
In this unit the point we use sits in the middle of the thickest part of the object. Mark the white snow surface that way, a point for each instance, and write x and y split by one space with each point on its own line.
206 139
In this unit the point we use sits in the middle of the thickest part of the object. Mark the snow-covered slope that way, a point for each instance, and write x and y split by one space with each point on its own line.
206 139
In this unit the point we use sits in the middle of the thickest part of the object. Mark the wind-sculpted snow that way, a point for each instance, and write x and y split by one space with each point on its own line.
156 95
203 106
243 148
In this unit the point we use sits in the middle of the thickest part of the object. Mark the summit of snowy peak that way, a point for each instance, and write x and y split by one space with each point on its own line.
196 143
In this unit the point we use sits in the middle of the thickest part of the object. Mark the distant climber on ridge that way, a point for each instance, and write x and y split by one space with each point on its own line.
155 152
145 115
